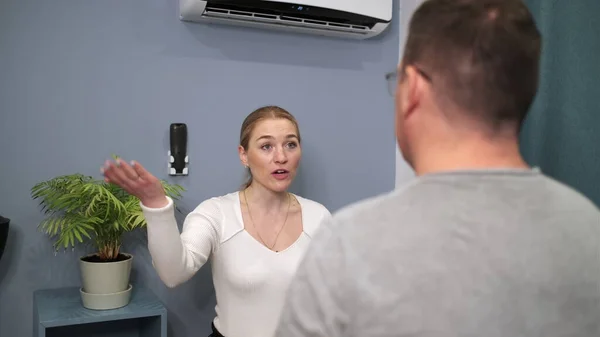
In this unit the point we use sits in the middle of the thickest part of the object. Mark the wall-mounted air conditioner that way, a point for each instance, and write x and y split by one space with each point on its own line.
358 19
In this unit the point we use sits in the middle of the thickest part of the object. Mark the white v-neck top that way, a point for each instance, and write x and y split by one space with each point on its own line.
250 280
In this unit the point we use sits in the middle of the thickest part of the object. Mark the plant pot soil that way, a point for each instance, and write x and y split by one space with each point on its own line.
96 259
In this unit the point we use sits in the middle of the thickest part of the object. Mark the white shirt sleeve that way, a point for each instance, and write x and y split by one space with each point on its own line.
177 257
313 304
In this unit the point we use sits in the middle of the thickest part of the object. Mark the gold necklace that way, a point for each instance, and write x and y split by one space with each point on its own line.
256 230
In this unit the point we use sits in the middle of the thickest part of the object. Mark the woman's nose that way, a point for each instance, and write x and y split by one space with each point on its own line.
280 156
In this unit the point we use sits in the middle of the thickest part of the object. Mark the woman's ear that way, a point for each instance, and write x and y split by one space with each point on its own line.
243 156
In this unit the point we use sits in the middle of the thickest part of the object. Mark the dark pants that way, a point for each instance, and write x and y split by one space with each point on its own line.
215 332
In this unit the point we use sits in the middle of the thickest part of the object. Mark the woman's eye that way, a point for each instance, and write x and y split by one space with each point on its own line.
266 147
292 145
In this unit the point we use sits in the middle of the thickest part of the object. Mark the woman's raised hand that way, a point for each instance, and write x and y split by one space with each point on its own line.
136 181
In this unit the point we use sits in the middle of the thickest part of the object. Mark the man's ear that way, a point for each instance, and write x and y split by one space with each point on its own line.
243 155
411 91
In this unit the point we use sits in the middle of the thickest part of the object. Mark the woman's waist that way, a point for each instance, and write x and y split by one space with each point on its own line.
248 324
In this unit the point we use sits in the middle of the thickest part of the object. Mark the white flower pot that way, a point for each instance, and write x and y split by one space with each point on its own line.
105 285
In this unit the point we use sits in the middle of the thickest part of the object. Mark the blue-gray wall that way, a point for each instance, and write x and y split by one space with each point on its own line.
80 80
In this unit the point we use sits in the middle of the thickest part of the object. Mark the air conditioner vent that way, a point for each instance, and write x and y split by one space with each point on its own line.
340 18
227 11
286 9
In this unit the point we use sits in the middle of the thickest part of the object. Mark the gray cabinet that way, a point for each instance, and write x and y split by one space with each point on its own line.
59 312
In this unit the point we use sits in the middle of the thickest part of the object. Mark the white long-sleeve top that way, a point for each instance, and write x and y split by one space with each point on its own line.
250 280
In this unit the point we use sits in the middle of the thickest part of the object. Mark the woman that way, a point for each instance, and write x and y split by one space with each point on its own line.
254 238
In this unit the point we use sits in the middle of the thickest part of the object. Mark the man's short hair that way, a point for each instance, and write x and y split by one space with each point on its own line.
482 56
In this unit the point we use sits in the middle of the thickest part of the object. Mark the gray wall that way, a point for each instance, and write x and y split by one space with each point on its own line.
83 79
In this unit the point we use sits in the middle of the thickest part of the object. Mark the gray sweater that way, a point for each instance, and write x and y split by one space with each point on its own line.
504 253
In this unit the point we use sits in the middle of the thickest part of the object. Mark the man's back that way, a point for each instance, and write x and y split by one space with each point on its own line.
505 253
479 245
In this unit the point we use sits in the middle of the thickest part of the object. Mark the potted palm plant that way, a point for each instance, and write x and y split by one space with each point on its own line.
79 208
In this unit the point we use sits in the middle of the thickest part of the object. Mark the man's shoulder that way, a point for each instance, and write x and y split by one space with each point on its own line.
370 207
361 207
423 196
568 195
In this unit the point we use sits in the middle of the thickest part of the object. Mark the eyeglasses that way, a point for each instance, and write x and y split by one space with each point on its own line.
392 79
392 82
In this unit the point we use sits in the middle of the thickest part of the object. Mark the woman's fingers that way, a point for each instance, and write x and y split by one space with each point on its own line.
109 172
128 171
141 171
132 178
115 175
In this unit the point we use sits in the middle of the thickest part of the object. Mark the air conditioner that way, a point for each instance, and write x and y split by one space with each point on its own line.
358 19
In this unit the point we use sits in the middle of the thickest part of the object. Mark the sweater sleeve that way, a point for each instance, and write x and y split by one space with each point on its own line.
177 257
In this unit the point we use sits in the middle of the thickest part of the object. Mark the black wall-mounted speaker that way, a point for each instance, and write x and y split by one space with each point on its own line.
4 226
178 159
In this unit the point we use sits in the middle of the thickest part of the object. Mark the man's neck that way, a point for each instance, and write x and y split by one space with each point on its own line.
476 153
264 198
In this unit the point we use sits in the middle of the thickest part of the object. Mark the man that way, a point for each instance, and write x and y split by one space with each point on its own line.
480 244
